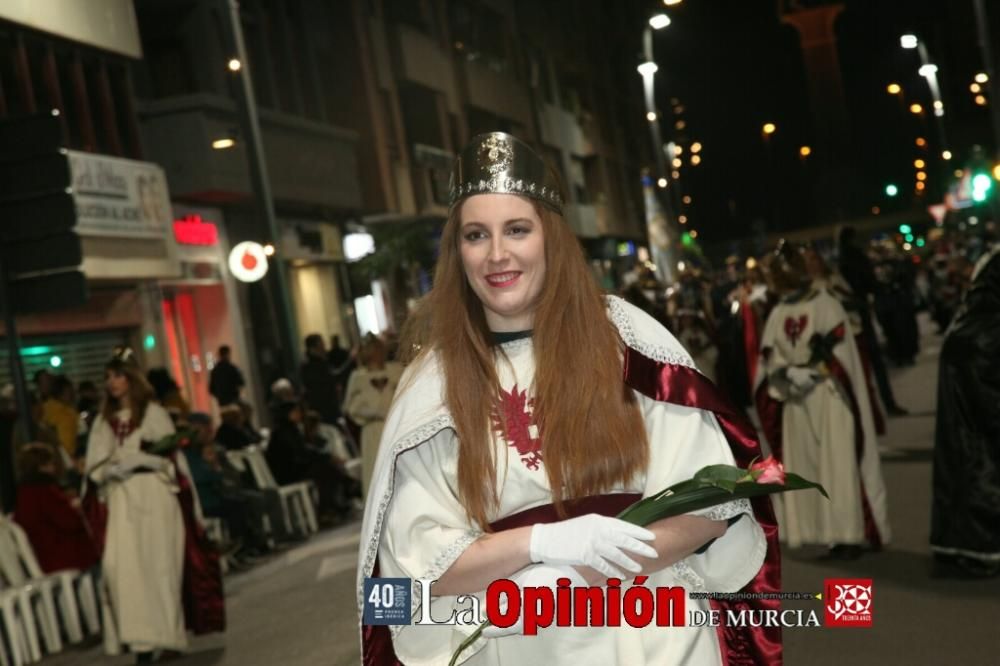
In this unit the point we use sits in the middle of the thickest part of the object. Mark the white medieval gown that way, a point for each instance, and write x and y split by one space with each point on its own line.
367 401
818 429
415 526
143 562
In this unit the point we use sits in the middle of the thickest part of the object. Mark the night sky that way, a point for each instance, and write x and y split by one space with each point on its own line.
734 66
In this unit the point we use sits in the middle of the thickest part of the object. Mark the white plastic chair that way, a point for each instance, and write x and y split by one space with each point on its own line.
17 628
297 499
76 589
342 447
20 597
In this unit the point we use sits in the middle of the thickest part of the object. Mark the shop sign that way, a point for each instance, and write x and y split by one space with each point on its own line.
248 261
119 197
193 230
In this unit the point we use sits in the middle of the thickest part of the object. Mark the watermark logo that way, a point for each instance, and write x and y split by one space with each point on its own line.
387 601
848 602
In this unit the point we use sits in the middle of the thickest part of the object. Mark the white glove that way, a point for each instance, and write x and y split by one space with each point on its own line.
139 459
537 575
593 540
116 472
803 378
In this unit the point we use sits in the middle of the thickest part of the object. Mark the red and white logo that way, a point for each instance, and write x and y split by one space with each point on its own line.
248 261
848 602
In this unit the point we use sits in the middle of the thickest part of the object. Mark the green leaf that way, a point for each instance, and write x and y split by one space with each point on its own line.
715 473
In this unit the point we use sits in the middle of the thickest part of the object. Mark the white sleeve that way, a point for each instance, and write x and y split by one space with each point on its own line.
425 531
682 441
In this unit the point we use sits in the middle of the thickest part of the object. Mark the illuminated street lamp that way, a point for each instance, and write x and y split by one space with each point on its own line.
975 88
982 77
919 164
908 41
916 108
672 3
894 89
234 65
946 155
769 128
659 21
695 147
651 116
805 151
647 68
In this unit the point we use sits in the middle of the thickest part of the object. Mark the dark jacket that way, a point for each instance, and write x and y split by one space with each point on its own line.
321 388
287 455
225 382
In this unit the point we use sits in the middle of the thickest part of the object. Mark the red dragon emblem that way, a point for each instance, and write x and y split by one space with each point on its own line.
795 327
513 422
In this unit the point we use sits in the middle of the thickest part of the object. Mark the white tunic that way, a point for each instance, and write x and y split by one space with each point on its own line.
143 561
418 527
818 429
367 401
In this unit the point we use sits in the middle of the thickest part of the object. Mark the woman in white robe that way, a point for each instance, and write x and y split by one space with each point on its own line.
143 560
367 400
418 521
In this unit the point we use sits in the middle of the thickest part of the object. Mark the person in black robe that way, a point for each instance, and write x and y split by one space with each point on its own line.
965 515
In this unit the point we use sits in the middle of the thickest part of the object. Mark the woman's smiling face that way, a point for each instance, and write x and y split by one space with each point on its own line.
503 254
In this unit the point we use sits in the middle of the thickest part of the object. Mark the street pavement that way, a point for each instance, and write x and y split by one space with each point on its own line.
298 608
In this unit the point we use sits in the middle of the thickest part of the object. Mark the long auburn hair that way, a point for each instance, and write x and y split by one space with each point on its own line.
592 432
140 392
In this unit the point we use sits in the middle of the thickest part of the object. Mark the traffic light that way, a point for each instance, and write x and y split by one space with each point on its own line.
981 186
891 190
40 252
905 229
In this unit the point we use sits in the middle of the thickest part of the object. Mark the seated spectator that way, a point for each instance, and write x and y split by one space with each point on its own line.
52 519
292 461
220 489
235 431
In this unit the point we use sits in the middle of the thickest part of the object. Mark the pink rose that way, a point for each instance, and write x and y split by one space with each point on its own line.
768 470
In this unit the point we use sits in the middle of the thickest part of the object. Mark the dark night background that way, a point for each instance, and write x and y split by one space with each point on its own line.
733 65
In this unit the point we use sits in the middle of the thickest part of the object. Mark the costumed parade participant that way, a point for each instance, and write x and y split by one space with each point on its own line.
534 411
152 539
826 278
367 400
965 516
689 308
812 400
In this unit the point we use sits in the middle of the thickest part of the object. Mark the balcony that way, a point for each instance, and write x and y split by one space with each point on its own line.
308 162
421 60
560 129
497 93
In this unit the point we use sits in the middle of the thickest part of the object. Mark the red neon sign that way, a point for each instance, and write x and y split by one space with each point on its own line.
193 230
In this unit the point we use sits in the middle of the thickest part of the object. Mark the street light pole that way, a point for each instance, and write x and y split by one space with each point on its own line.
261 184
664 257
